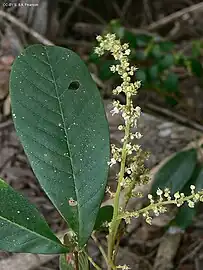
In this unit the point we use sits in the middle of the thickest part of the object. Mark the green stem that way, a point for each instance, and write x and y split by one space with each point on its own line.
91 261
152 206
115 221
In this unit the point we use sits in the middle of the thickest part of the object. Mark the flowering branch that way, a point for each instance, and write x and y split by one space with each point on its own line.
157 206
131 157
130 116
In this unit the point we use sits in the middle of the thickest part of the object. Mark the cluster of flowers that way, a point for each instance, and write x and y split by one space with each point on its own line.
163 198
135 167
134 164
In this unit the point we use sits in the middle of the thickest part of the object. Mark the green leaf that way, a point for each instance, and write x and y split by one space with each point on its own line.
152 73
94 58
184 216
23 229
176 172
166 46
104 69
142 40
141 75
66 261
130 38
170 84
117 28
196 67
105 214
198 182
155 52
166 62
60 119
139 56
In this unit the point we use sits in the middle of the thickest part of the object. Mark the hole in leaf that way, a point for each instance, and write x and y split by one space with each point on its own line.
74 86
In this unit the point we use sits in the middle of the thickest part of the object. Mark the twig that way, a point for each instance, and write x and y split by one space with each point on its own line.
100 248
91 12
97 81
125 8
147 11
91 261
28 30
71 10
179 118
91 29
192 254
6 124
174 16
9 159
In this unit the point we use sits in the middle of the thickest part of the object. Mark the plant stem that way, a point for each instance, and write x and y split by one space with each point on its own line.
151 207
76 260
92 262
115 221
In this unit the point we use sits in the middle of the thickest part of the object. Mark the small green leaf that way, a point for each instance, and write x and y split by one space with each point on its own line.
139 55
152 73
66 261
171 82
141 75
196 48
176 172
130 38
196 67
105 214
166 46
155 52
94 58
60 119
23 229
117 28
142 40
166 62
180 59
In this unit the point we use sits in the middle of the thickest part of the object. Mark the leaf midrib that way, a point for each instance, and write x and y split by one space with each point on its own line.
32 232
65 131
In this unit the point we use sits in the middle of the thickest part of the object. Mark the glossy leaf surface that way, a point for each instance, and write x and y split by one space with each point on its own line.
175 173
60 119
22 228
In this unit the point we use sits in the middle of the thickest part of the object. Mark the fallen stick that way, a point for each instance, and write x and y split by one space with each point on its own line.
155 25
24 27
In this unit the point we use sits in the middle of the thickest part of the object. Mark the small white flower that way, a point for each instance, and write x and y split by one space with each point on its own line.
138 135
113 68
99 38
159 192
112 162
127 52
115 110
149 196
192 187
191 204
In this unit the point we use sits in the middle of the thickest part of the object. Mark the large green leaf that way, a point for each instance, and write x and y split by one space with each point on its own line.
61 122
176 172
23 229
